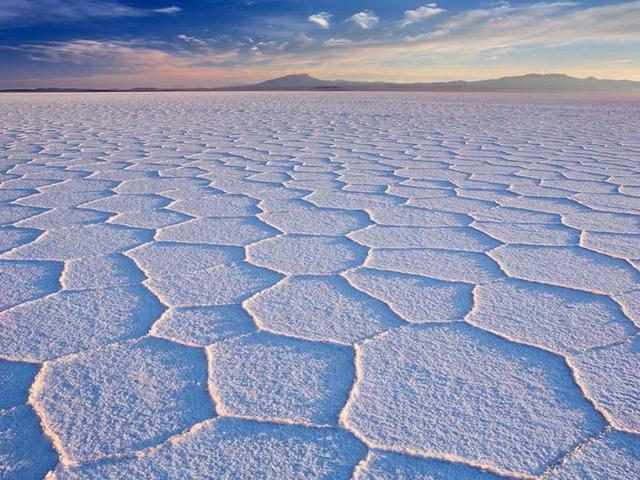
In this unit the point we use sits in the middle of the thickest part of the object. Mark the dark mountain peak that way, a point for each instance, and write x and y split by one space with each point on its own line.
300 76
295 77
296 80
540 75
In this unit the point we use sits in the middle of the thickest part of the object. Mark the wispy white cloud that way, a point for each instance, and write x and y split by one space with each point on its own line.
29 12
420 14
190 39
168 10
123 55
118 55
321 19
337 42
365 19
543 24
302 39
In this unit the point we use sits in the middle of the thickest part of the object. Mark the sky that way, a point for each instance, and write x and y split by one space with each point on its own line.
211 43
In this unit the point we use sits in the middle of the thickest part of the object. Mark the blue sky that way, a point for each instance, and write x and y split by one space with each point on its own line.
169 43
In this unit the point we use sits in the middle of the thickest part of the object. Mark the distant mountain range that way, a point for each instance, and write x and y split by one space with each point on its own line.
525 83
533 82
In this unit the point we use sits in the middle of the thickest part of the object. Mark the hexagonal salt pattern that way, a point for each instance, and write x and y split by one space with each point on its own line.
321 309
72 321
303 382
574 268
414 298
218 231
234 448
315 221
228 283
436 287
301 255
80 242
203 326
454 390
564 320
122 398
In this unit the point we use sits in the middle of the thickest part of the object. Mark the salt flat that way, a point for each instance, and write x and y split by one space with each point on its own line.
319 285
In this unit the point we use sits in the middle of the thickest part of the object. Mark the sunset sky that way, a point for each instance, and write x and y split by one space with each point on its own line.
173 43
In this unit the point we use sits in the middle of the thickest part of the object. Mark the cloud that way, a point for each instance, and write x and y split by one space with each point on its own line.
168 10
365 19
302 40
542 24
54 10
337 42
420 14
189 39
121 56
127 64
31 12
321 19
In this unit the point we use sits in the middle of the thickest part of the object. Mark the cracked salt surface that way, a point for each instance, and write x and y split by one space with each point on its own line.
222 286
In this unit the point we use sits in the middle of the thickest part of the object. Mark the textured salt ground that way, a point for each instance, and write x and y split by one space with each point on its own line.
221 286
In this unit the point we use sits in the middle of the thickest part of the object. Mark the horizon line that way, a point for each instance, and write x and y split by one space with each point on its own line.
371 84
